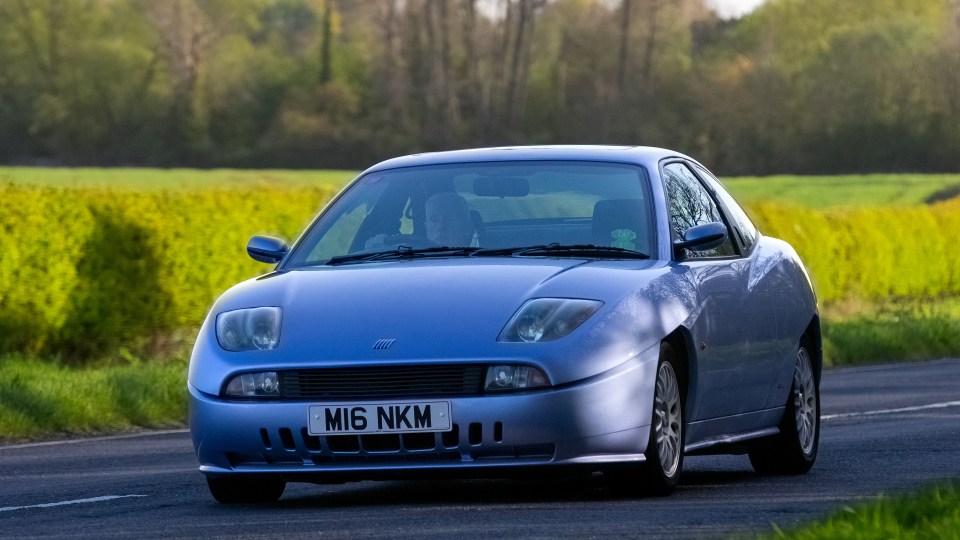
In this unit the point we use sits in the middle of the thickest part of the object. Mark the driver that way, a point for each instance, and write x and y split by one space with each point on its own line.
448 220
448 223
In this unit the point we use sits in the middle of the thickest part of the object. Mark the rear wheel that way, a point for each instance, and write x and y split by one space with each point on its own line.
245 490
794 449
660 472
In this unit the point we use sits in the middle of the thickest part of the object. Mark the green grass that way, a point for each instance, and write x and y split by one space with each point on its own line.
38 398
933 513
892 330
172 179
848 190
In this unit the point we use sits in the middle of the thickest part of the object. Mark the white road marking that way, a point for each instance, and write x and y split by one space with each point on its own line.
942 405
76 501
94 439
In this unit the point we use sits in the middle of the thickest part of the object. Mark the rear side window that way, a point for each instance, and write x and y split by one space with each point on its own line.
691 205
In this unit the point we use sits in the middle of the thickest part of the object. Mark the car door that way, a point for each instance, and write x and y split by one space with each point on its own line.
765 326
732 374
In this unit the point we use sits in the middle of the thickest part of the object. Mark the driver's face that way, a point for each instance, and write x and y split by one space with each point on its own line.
448 220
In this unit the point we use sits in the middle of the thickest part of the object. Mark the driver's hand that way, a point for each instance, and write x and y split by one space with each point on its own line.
377 241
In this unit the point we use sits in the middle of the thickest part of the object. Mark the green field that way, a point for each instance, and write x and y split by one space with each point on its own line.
846 190
808 191
139 179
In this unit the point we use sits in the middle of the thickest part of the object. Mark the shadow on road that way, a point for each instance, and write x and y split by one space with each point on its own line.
458 493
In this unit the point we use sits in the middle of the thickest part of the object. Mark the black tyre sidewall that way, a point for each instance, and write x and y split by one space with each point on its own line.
657 482
783 453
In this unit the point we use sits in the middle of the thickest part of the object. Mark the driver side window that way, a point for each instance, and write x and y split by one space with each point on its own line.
691 205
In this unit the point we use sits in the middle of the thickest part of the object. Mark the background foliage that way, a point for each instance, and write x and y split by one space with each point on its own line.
805 86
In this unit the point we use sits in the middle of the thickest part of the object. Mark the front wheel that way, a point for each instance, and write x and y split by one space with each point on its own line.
245 490
794 449
660 472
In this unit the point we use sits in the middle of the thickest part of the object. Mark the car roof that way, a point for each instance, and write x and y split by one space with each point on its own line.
622 154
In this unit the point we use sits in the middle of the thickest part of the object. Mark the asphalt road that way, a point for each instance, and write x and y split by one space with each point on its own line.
886 430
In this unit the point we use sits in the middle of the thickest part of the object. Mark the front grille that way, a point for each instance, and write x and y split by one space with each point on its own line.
383 382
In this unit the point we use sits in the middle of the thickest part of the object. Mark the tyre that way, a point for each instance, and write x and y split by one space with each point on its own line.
245 490
794 449
659 474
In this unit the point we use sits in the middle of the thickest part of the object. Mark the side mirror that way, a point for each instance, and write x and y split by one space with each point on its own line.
702 237
266 249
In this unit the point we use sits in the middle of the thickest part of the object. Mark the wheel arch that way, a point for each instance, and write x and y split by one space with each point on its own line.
813 336
682 342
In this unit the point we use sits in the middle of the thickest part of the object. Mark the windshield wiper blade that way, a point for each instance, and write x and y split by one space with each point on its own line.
566 250
401 252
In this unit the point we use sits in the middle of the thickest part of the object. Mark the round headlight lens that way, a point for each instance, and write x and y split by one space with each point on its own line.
514 377
263 330
503 376
265 383
530 327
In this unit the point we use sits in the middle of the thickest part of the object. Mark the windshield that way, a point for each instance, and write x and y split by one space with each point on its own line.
485 207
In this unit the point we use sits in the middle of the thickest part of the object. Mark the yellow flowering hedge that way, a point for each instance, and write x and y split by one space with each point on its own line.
86 270
872 252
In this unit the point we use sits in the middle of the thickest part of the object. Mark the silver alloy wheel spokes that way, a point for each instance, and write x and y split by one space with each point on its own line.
667 421
805 401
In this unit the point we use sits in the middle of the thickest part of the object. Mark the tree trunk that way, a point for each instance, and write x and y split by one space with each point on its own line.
326 37
624 48
651 43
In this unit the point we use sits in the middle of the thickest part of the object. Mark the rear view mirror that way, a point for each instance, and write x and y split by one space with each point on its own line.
501 186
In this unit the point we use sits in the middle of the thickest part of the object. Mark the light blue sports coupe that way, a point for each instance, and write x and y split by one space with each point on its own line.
502 311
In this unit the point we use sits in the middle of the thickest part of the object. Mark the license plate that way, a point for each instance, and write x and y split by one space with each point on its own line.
384 417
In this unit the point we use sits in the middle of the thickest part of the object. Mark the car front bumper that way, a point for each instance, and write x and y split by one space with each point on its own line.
591 424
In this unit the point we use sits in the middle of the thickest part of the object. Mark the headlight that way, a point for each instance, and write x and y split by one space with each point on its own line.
254 384
249 329
547 319
513 377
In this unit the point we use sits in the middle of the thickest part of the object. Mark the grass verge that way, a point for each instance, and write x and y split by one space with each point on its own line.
38 398
932 513
895 330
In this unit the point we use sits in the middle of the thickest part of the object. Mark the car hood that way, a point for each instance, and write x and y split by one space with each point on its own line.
433 309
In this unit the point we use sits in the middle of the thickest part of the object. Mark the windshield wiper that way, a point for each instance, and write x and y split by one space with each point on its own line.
557 250
566 250
401 252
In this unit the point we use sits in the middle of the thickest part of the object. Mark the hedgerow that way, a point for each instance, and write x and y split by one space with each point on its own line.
84 271
871 252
